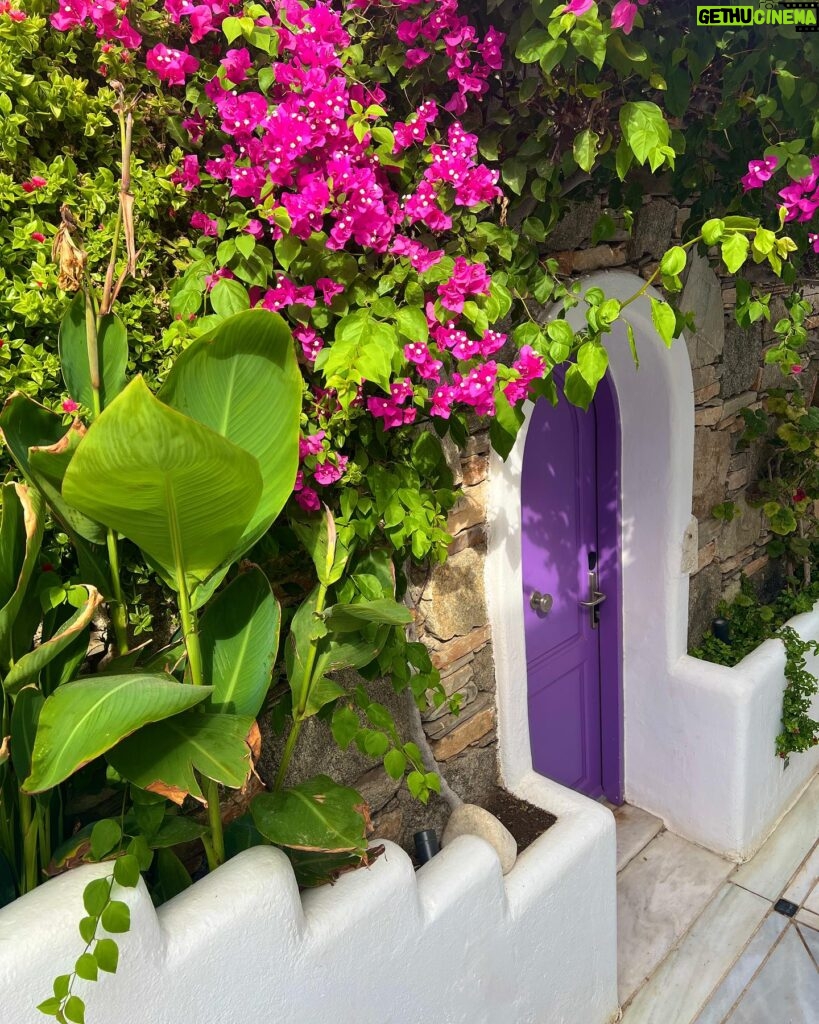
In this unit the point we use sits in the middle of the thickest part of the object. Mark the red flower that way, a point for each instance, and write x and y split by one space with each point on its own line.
34 182
69 405
799 495
38 236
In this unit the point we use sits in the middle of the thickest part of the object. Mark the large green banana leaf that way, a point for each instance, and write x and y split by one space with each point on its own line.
23 510
112 354
239 634
84 719
242 381
176 488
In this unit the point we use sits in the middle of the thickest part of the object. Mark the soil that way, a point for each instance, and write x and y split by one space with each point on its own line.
523 820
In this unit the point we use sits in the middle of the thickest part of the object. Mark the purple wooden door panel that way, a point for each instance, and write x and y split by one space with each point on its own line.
562 506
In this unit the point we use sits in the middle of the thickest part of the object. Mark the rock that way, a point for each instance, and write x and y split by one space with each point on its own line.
464 733
469 510
654 230
377 788
702 296
743 530
471 820
576 225
712 455
705 594
453 603
742 353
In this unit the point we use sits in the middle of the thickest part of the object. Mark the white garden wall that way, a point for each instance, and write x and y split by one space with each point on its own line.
454 943
699 739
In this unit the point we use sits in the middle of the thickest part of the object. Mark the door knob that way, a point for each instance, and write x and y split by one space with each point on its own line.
541 603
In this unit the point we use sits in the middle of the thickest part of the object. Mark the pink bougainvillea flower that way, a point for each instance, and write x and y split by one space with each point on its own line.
72 13
759 171
34 182
813 240
18 15
38 236
236 64
207 225
578 7
308 499
327 473
419 256
312 444
171 66
188 174
69 405
623 14
467 279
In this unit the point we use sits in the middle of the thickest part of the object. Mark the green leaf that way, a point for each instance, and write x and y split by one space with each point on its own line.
112 345
61 983
533 45
106 954
28 667
632 344
245 244
344 726
82 720
166 755
553 53
177 489
363 350
126 871
318 815
322 692
320 539
287 249
96 895
105 835
513 172
395 763
412 324
585 148
176 829
342 618
673 261
735 251
22 527
576 387
592 361
172 875
88 927
74 1010
24 718
713 230
644 128
116 917
50 1007
242 380
239 635
228 297
86 967
663 318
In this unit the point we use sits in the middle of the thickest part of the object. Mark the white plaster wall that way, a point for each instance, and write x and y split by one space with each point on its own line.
455 943
698 738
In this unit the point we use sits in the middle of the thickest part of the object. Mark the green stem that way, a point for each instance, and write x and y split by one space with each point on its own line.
119 617
43 818
215 844
298 711
93 348
287 754
29 831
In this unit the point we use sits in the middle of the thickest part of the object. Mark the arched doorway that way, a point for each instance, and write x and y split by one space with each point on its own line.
655 444
570 546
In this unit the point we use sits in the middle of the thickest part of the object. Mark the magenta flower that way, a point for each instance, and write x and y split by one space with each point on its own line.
311 445
38 236
188 174
623 14
327 473
69 405
759 171
236 64
33 183
169 65
578 7
467 279
207 225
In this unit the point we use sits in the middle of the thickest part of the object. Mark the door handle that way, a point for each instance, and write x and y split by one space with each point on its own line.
596 597
541 603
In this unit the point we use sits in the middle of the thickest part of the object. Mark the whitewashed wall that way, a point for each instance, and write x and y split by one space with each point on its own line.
699 739
454 943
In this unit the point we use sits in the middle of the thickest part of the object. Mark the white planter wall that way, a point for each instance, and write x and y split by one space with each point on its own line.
699 739
454 943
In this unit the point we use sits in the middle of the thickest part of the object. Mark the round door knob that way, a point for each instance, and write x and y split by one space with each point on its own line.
541 603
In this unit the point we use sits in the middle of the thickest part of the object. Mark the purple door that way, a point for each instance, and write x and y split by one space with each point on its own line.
571 593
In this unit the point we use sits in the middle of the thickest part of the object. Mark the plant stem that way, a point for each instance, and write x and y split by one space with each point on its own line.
215 844
298 712
29 830
93 348
287 753
117 606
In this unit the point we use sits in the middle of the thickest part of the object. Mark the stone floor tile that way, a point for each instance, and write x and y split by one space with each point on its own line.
659 896
811 901
806 879
786 989
635 829
687 977
811 940
809 918
768 873
737 979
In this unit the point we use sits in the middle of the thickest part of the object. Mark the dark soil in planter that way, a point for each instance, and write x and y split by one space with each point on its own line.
525 821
